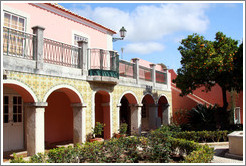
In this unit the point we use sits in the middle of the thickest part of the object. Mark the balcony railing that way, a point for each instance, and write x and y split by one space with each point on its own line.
103 63
17 43
161 77
98 62
60 54
144 73
126 69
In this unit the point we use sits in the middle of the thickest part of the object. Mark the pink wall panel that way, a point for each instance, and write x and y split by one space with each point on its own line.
58 27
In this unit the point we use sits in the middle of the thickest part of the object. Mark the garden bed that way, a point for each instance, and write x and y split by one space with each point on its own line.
158 147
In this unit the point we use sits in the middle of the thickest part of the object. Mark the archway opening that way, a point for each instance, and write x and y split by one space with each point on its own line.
125 110
102 111
14 118
59 117
162 110
147 113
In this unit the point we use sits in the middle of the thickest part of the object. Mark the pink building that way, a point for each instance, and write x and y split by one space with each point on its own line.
61 76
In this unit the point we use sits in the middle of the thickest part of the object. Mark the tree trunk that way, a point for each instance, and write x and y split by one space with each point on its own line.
225 103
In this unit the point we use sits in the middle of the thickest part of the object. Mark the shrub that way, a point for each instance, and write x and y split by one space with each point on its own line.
113 150
39 158
192 151
131 149
159 147
92 152
202 117
123 128
17 159
98 129
204 154
202 136
63 155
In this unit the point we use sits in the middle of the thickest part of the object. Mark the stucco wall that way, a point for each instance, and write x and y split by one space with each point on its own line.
56 26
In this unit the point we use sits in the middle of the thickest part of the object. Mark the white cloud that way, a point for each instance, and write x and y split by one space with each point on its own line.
149 22
144 48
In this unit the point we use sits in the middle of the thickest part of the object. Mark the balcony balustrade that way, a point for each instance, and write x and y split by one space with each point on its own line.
103 63
126 69
96 62
17 43
60 53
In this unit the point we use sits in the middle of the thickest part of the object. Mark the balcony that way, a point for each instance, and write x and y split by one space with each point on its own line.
32 53
103 65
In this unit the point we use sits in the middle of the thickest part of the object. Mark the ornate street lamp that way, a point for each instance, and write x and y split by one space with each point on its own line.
122 34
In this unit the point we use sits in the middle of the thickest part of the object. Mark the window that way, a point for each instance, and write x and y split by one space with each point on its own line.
14 22
6 109
79 38
12 109
237 119
13 34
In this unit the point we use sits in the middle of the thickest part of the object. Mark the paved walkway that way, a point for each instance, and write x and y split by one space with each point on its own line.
221 156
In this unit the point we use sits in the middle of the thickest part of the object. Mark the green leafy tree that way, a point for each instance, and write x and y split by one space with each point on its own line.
206 63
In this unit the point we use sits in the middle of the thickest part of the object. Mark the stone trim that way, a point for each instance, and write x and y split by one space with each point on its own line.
37 104
78 105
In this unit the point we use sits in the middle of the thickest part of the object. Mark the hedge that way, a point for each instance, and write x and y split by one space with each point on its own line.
202 136
193 152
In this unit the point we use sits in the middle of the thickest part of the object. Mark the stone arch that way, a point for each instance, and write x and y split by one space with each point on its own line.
73 94
130 96
163 110
149 112
16 95
63 116
150 97
26 92
127 102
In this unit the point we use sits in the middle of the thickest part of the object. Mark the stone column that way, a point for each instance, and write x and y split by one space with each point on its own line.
136 70
35 127
118 115
153 77
168 80
165 114
38 46
136 119
101 59
83 47
153 114
79 123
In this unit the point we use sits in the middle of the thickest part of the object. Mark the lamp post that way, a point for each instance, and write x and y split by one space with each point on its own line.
122 34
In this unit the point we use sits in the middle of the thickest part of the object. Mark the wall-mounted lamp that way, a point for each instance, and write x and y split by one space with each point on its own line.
122 34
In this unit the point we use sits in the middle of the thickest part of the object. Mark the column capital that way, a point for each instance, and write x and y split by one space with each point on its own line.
135 105
38 27
81 42
152 65
78 105
135 59
37 104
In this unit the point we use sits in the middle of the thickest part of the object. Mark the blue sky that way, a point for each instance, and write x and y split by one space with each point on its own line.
154 30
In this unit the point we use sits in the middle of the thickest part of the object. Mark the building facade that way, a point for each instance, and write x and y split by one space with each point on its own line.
200 96
61 76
